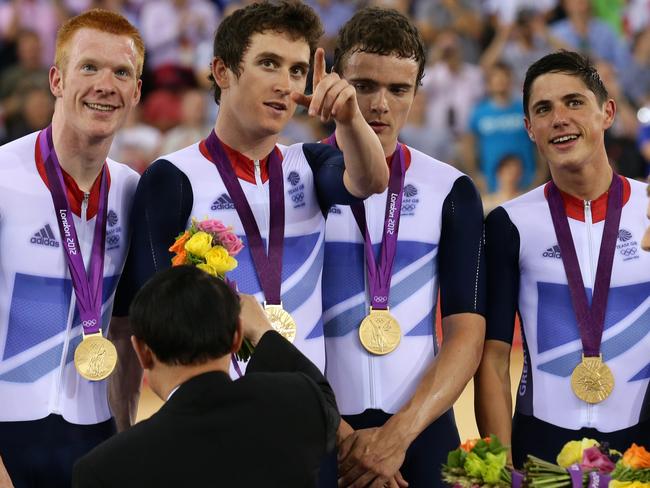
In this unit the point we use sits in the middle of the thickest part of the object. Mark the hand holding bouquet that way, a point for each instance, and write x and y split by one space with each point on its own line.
210 246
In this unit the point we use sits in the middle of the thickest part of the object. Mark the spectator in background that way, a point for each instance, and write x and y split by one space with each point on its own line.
508 175
462 16
193 125
636 76
589 35
36 107
173 28
137 143
41 16
15 81
417 132
452 87
520 44
333 14
496 129
620 138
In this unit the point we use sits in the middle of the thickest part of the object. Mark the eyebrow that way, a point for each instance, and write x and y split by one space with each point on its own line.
565 98
370 81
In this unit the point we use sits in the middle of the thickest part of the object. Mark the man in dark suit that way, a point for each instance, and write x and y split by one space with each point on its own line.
269 428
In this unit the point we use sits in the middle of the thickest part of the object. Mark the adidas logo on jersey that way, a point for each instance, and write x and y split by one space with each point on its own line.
552 252
45 237
224 202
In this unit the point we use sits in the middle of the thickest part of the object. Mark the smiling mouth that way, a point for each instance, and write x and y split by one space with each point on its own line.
563 139
100 107
276 105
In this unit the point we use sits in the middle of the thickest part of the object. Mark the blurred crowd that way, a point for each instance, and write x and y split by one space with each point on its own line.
468 111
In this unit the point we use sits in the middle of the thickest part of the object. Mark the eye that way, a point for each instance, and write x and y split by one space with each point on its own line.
298 71
268 63
88 68
542 109
575 103
122 73
401 90
361 87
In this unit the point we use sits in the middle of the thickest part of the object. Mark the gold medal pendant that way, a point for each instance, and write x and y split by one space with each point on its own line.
379 332
592 381
95 358
281 321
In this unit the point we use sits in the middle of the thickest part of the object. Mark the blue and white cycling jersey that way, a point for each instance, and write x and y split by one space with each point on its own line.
39 322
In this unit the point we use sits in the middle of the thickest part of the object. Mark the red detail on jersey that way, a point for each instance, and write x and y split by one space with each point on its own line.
575 207
244 167
74 193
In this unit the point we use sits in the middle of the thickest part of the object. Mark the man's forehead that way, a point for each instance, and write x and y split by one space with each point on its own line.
557 85
390 68
279 44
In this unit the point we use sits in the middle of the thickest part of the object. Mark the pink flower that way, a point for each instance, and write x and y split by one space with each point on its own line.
213 227
594 458
231 242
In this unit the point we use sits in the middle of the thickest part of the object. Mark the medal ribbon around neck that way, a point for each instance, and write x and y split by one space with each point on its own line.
87 286
267 266
591 320
380 332
95 357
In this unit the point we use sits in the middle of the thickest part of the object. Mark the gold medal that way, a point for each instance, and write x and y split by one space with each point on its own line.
281 321
95 358
379 332
592 381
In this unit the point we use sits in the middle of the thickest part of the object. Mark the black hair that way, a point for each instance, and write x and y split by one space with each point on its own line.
232 39
570 63
383 31
185 316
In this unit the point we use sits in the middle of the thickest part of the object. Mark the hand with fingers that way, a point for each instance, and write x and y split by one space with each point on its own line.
370 458
332 97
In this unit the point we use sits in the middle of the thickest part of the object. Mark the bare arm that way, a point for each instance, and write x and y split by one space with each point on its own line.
380 452
366 171
5 481
124 383
492 396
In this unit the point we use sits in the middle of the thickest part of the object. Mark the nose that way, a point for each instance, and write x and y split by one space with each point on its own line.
105 82
560 116
283 83
378 102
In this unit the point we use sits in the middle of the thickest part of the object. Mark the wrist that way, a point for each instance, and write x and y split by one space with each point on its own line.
401 427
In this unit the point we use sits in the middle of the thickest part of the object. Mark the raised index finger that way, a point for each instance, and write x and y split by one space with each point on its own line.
319 67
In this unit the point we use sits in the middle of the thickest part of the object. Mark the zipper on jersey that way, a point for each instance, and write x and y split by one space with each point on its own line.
73 302
267 208
371 359
592 277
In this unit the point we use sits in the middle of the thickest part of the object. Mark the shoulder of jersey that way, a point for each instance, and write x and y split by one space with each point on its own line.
440 168
536 195
17 152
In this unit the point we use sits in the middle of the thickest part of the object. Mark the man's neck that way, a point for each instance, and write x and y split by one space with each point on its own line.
81 157
241 139
168 377
587 183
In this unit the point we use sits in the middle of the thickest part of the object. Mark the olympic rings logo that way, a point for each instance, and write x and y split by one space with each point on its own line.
89 323
298 197
630 251
381 299
409 207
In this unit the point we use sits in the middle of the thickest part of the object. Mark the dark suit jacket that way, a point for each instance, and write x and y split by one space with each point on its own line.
270 428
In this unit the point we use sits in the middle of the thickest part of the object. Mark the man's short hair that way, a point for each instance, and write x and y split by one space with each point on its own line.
569 63
382 31
233 37
103 21
185 316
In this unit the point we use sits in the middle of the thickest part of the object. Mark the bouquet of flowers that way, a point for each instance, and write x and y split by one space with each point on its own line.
210 246
633 469
478 462
580 463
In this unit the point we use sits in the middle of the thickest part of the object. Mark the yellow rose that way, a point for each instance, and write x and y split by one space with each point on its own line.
199 244
207 268
220 260
571 453
628 484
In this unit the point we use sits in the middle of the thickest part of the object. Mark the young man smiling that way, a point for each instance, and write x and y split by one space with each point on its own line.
63 240
275 197
394 387
566 257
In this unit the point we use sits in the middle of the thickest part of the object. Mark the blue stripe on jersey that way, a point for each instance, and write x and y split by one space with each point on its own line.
347 320
296 253
611 348
644 374
39 310
424 327
37 367
557 319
